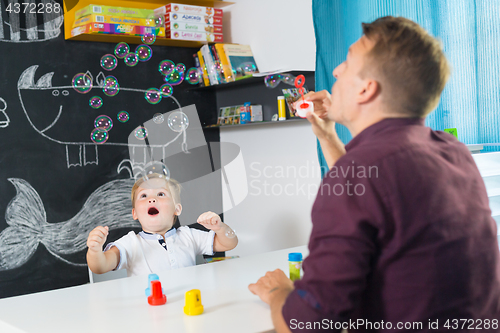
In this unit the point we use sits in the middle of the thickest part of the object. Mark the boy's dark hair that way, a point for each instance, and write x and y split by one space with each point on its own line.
409 64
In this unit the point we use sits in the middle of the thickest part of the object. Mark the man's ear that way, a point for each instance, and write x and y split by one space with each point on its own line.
178 209
134 214
370 90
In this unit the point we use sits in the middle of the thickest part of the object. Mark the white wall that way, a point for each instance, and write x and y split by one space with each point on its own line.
280 159
280 32
283 175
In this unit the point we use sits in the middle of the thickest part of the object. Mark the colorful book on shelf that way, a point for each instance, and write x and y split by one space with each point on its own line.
226 115
96 18
291 96
198 67
210 65
218 64
241 60
203 67
116 29
224 61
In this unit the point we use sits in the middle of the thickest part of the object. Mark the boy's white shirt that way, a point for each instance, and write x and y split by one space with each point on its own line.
142 253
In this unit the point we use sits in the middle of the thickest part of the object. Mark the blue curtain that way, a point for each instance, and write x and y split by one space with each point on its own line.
470 33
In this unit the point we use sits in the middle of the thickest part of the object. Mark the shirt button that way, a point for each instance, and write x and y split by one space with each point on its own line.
164 244
158 237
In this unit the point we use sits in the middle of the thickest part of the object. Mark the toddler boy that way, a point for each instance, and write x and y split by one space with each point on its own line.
159 246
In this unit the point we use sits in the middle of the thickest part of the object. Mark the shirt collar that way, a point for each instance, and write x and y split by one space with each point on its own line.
382 125
148 235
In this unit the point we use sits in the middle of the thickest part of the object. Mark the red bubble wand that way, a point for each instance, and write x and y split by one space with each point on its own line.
305 106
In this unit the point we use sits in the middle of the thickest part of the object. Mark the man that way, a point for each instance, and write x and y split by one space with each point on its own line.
403 237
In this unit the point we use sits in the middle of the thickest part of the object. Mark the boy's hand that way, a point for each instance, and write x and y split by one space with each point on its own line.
210 220
97 237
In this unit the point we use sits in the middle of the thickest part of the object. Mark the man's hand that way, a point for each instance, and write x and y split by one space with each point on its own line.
322 102
322 127
272 284
210 220
96 238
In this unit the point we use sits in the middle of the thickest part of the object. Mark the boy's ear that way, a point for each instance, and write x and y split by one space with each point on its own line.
178 209
134 214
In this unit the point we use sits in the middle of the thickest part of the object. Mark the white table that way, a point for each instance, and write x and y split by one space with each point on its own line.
121 305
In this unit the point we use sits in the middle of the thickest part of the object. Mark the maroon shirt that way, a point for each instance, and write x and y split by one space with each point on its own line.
402 234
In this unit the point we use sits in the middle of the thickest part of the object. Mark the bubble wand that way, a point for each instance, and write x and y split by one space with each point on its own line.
303 107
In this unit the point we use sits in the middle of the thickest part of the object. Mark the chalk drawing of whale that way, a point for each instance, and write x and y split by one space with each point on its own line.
28 227
80 150
26 16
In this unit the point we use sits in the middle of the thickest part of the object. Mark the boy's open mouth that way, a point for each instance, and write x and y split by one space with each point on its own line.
153 211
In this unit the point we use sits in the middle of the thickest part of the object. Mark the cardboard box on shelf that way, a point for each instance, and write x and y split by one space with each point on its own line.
188 9
97 18
196 27
116 29
190 18
112 10
196 36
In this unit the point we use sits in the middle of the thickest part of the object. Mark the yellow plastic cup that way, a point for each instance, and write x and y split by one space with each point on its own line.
193 305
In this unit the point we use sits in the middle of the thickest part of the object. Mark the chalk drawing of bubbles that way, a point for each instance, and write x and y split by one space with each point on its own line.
4 118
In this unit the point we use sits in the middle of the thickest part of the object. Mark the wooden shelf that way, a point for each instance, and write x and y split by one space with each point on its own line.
247 81
71 6
288 121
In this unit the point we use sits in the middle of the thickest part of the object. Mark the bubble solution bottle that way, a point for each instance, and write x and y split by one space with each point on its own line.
295 264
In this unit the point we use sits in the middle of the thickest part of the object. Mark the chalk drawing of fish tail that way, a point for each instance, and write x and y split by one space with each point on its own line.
108 205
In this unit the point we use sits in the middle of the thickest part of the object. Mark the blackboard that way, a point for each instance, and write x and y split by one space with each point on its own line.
55 184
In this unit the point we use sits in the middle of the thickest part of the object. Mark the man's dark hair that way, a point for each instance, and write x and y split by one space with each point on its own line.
408 63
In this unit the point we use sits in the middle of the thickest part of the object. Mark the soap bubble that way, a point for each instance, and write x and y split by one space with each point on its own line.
272 81
148 38
109 62
82 83
227 73
166 67
178 121
121 50
180 67
111 86
230 233
153 95
153 167
110 80
288 79
247 68
103 121
159 21
131 59
141 133
111 90
95 102
144 52
158 118
123 116
166 90
174 78
99 135
193 75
